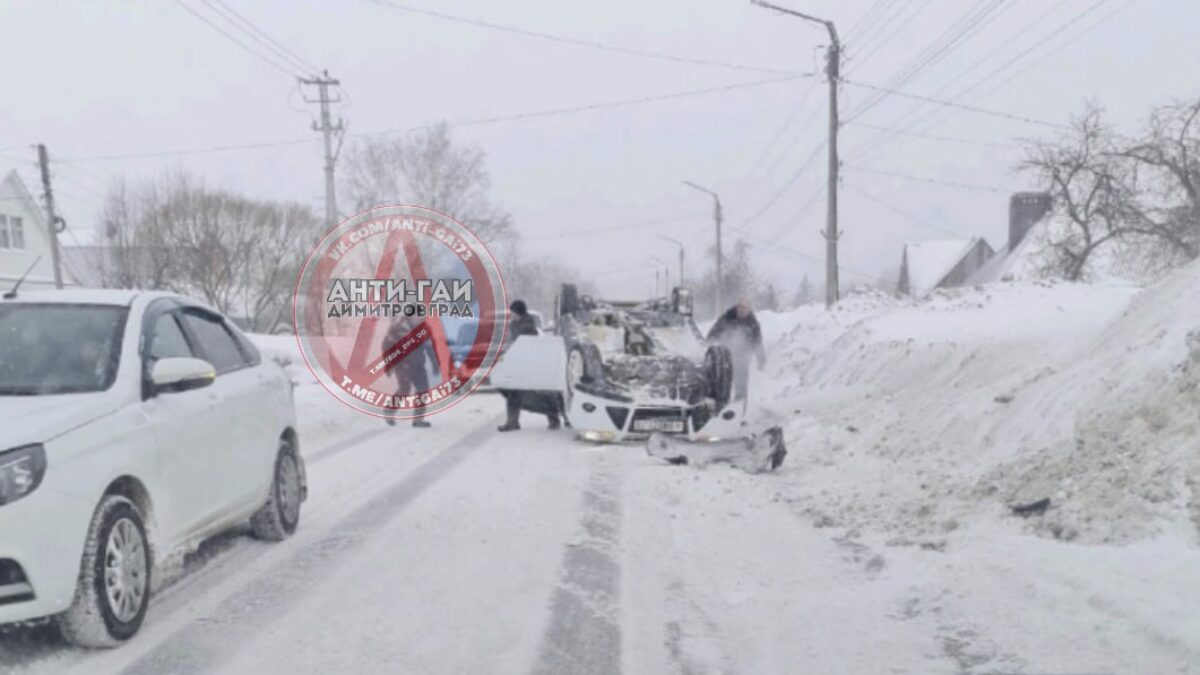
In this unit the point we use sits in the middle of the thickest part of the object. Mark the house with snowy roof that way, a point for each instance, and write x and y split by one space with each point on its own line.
948 263
943 263
24 238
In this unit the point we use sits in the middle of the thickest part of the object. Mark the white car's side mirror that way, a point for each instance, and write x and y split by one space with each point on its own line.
181 374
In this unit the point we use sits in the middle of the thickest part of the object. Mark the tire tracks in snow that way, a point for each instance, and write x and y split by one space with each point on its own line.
583 636
202 645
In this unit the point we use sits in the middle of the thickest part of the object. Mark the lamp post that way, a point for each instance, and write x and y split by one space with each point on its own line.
662 274
833 70
717 217
681 254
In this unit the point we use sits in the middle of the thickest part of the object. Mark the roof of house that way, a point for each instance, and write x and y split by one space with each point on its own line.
1019 263
929 262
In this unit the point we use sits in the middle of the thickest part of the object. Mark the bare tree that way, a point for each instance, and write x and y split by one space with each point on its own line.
1141 197
426 168
1091 185
239 255
1167 209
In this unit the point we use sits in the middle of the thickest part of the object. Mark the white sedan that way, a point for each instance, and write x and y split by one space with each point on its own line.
132 424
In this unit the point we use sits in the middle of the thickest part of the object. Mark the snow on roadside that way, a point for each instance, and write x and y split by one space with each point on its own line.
915 418
321 417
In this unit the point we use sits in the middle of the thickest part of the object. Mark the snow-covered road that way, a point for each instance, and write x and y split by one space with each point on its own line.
460 550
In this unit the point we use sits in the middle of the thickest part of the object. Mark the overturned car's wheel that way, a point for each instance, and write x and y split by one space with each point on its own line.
718 370
114 578
584 364
568 300
277 519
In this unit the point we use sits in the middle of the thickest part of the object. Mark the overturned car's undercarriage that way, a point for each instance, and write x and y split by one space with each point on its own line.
636 368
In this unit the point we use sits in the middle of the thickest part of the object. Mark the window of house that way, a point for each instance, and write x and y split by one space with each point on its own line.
16 231
4 232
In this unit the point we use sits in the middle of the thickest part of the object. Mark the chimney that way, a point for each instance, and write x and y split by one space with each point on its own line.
1025 209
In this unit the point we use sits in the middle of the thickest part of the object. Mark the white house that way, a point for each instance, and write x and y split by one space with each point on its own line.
24 238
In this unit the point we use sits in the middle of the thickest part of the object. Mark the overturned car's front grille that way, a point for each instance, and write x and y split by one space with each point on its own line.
14 587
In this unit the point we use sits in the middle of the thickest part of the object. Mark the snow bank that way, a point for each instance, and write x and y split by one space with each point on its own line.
918 417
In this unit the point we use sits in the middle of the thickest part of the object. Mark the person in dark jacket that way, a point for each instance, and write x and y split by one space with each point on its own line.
544 402
411 372
738 330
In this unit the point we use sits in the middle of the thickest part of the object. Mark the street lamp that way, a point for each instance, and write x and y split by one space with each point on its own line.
681 253
833 70
661 272
717 216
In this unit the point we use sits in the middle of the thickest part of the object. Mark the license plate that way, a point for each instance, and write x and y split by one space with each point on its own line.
658 425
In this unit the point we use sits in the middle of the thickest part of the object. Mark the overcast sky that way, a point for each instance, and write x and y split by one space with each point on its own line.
94 79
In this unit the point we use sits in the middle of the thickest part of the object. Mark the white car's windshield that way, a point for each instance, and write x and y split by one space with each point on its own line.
58 348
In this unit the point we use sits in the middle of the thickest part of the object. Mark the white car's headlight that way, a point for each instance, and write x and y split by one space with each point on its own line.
21 471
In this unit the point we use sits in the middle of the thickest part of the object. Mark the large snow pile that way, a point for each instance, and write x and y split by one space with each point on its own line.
916 418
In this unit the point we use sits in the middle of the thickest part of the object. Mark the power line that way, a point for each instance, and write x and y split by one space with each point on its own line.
963 28
916 121
595 106
960 106
925 179
628 51
803 211
1063 45
908 119
482 121
1023 53
79 184
868 19
258 35
901 212
615 228
933 137
788 185
856 62
265 59
104 181
772 144
876 31
772 246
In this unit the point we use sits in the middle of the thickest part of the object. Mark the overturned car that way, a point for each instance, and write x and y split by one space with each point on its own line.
627 370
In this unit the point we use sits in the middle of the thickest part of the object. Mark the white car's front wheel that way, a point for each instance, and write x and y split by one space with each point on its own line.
114 579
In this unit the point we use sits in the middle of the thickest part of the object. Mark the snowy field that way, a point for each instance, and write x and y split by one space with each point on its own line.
885 544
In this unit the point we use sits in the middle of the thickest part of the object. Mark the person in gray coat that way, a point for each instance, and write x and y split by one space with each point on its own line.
738 330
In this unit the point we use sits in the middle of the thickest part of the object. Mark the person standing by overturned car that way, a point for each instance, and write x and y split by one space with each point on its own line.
739 330
548 403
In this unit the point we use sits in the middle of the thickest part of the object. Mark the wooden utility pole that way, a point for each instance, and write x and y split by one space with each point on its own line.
327 129
831 233
53 222
833 70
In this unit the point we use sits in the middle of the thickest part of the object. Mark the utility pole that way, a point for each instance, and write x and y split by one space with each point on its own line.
327 129
718 217
53 222
681 254
833 69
